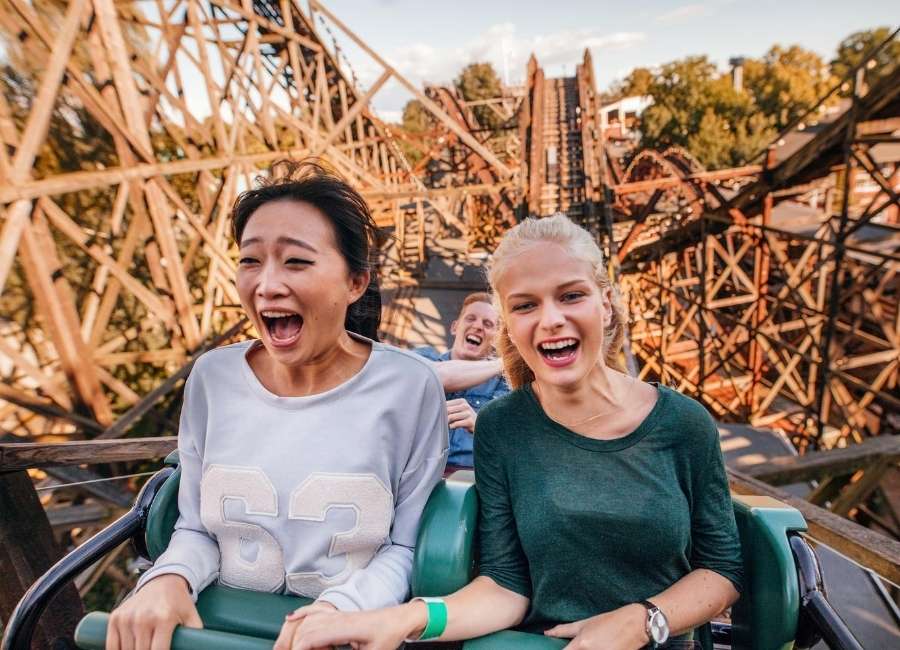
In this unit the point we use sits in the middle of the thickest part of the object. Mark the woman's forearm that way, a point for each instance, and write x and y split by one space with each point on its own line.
695 599
479 608
460 375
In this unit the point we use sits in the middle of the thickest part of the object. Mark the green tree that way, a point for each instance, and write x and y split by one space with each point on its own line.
637 82
416 118
787 82
697 108
852 49
479 81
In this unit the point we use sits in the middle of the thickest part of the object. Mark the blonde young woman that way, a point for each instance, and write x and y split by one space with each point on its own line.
605 516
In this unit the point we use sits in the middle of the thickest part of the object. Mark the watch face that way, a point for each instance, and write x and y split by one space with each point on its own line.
659 627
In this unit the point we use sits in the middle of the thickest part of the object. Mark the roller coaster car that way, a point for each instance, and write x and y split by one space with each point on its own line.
783 605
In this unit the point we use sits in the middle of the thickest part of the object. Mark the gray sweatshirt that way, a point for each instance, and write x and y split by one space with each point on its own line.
318 496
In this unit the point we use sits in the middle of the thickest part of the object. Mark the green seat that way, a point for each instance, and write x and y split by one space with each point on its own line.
765 617
236 618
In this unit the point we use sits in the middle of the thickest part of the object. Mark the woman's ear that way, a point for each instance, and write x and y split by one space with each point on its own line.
606 305
358 284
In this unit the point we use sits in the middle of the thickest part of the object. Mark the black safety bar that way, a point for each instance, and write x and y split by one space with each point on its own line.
817 617
20 627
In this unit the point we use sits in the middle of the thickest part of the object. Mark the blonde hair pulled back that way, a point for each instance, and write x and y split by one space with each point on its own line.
558 229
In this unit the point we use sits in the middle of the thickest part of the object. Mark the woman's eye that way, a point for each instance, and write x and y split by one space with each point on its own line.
297 261
245 261
572 295
525 306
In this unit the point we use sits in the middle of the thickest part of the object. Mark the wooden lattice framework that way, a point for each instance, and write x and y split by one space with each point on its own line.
740 311
792 324
194 98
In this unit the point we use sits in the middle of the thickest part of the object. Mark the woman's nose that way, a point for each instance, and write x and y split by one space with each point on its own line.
551 317
270 282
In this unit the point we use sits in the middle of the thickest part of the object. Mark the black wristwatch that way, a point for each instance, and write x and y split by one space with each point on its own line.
657 625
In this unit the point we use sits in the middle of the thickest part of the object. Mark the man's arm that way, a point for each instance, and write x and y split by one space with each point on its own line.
460 375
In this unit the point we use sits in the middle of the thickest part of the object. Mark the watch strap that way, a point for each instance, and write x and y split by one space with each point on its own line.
650 606
652 611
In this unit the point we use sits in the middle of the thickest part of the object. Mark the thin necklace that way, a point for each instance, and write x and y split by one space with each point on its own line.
572 425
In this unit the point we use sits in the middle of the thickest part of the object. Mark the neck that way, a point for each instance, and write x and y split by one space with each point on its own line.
598 391
323 372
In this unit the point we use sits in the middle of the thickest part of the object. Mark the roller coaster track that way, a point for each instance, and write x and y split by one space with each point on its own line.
766 316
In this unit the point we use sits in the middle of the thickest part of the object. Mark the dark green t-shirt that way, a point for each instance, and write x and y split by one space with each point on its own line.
584 526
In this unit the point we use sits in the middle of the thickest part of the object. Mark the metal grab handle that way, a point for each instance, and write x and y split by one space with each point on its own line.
815 605
91 635
20 627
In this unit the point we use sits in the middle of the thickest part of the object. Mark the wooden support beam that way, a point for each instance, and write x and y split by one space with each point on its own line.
70 516
669 182
445 119
817 465
17 456
27 550
56 305
361 104
34 133
866 547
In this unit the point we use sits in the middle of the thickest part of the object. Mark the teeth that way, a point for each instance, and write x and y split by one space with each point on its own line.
556 345
274 313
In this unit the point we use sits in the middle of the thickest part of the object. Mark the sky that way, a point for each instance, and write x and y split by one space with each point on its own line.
430 41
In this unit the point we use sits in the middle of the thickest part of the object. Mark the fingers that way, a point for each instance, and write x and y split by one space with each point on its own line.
460 414
124 627
319 638
285 638
112 633
566 630
192 619
143 634
298 614
464 419
162 637
306 610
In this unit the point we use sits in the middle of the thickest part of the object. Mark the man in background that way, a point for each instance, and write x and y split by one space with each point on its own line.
471 378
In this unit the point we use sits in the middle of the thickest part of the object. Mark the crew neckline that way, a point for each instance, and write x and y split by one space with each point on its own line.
593 444
299 401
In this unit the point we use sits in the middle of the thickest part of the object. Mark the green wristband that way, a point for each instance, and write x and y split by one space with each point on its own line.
437 618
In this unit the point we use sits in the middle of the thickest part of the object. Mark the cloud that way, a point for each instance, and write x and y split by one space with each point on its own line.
683 13
500 44
506 50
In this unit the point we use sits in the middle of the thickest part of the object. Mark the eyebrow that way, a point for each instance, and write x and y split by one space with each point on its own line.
282 240
562 286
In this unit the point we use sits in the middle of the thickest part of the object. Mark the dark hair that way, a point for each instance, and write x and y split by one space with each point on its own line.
358 237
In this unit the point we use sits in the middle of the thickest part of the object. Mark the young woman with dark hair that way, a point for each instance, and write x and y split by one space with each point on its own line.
307 455
604 511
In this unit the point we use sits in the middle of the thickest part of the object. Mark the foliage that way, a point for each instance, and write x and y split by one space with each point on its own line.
851 50
479 81
697 108
416 118
414 137
786 82
637 83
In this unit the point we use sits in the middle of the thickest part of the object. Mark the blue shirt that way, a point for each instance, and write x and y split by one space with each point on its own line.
461 440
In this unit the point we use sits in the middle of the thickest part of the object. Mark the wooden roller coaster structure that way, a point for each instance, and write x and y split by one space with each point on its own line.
769 291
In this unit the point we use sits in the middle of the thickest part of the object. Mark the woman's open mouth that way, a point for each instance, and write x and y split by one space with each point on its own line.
560 352
282 326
